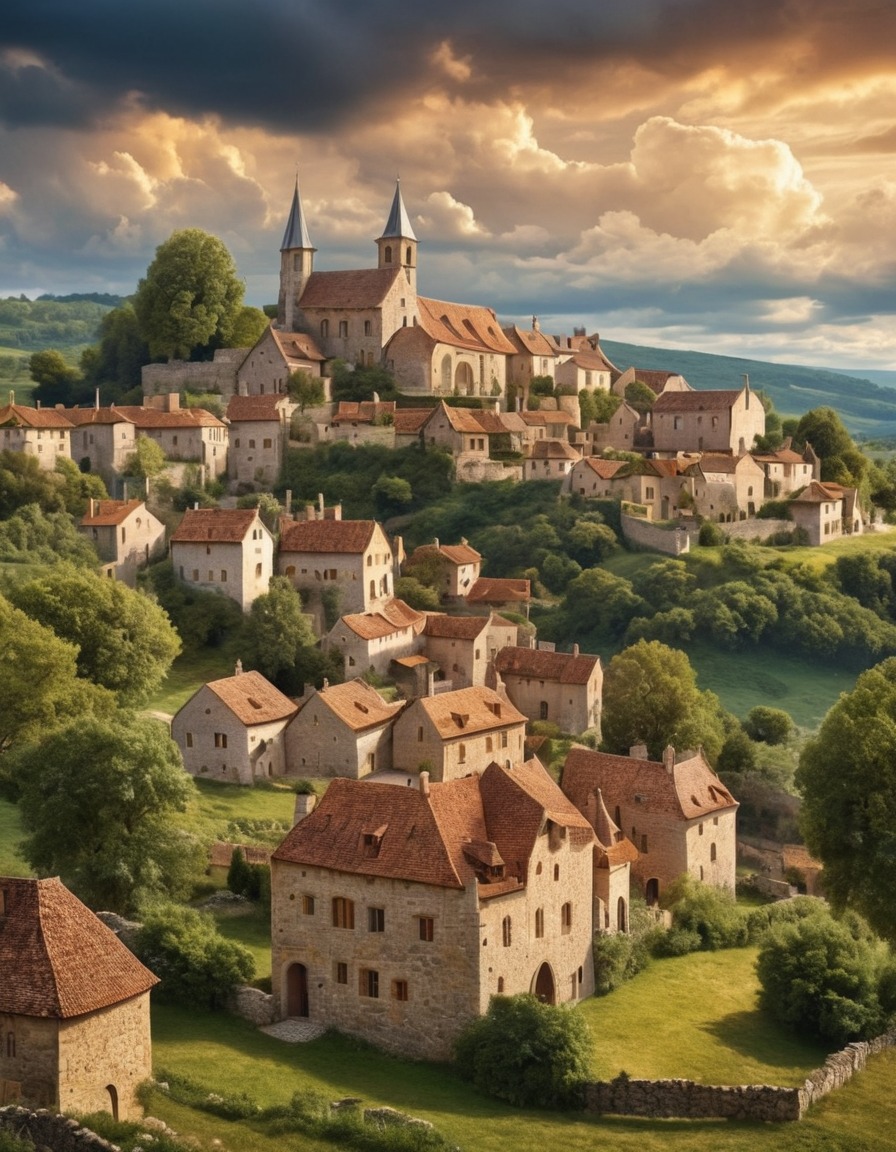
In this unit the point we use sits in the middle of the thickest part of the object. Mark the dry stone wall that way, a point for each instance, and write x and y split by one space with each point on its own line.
50 1130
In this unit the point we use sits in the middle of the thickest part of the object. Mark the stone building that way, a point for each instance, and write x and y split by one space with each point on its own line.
826 511
277 354
657 380
43 433
614 855
227 550
787 471
453 734
535 353
368 640
74 1005
565 688
104 437
353 557
341 730
503 592
259 436
398 912
126 535
591 477
464 647
458 566
587 367
727 488
550 460
190 435
622 432
708 420
232 730
676 812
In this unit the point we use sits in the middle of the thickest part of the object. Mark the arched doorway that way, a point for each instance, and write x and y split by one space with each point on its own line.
113 1100
652 892
621 924
463 379
297 990
544 985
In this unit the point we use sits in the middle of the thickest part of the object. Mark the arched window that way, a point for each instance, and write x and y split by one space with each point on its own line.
505 932
325 328
712 852
566 918
539 923
387 254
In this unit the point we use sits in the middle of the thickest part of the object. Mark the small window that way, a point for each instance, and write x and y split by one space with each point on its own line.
556 871
343 328
220 739
539 923
500 985
543 710
267 442
426 928
223 575
566 918
343 912
308 906
461 753
10 1044
369 983
325 328
189 739
367 328
341 972
399 990
506 932
376 919
712 853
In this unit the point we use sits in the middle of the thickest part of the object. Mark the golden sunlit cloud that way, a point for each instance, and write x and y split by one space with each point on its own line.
444 59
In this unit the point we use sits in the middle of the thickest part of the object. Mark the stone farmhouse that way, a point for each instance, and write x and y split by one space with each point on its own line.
374 640
550 460
227 550
726 488
504 593
105 438
453 734
341 730
711 420
354 557
43 433
587 367
534 354
657 380
460 566
676 812
592 475
232 730
126 535
74 1005
190 435
826 511
614 855
268 366
622 432
565 688
259 436
465 647
787 471
397 912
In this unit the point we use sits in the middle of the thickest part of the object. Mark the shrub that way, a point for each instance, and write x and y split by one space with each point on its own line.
705 915
527 1052
710 535
618 958
769 725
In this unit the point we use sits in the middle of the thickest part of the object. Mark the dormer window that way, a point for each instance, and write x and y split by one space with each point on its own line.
372 842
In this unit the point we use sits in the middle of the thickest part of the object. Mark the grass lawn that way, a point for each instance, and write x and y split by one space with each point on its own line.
231 812
188 673
11 832
713 1034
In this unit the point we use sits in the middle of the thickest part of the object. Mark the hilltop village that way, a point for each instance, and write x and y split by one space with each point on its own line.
442 863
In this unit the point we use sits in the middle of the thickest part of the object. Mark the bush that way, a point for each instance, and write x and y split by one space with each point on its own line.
710 535
618 958
707 917
194 962
824 976
527 1052
768 725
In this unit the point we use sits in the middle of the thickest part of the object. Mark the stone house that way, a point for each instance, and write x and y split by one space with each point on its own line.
453 734
620 433
103 436
74 1005
473 434
464 647
547 424
259 435
126 535
565 688
550 460
727 488
191 435
341 730
708 420
787 471
352 556
586 368
367 640
361 422
459 565
655 484
614 855
398 912
591 476
535 353
676 812
276 355
407 424
502 592
826 511
227 550
231 730
44 433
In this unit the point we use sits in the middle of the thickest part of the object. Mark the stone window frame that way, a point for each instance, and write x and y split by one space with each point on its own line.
376 919
400 990
307 904
343 912
369 983
426 928
506 932
341 970
539 923
566 918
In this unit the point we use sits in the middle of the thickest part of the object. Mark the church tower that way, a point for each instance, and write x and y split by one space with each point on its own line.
398 245
296 264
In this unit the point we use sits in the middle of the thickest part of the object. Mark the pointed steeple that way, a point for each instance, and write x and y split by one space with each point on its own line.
398 226
296 234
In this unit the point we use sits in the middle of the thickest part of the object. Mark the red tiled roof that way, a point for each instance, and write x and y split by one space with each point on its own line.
25 417
543 417
553 450
358 705
498 590
110 512
252 698
56 958
605 469
455 553
362 411
444 627
407 421
181 418
563 667
690 790
468 711
703 400
256 409
394 617
359 288
348 536
462 325
297 346
817 493
782 456
81 416
531 341
214 525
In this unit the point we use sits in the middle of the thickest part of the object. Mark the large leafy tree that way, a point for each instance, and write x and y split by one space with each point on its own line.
97 800
278 639
847 776
651 697
190 295
125 641
114 365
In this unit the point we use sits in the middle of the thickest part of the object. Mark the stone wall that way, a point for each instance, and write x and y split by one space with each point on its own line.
251 1004
50 1130
756 529
645 534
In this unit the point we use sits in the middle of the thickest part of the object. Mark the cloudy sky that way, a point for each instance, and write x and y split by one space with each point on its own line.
688 173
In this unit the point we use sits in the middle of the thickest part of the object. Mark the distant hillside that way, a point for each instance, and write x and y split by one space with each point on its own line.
866 408
61 322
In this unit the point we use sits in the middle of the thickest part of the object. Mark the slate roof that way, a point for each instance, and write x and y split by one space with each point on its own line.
689 791
56 958
345 536
252 698
467 711
110 512
24 417
564 667
214 525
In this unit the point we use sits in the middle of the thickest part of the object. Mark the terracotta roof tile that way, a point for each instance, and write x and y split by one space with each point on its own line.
110 512
553 450
348 536
362 411
462 325
703 400
25 417
605 469
817 493
563 667
358 705
56 958
257 409
542 418
182 418
468 711
394 617
444 627
81 416
214 525
408 421
498 590
252 698
359 288
297 346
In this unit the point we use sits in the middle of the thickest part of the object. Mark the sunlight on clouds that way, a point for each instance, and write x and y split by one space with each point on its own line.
8 197
797 310
519 146
447 218
444 59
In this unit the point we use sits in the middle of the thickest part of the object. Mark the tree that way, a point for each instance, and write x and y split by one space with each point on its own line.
97 801
248 328
277 636
147 460
769 725
392 495
596 406
31 536
822 976
847 777
190 295
599 601
57 381
194 962
651 697
640 396
306 390
125 641
354 382
841 461
114 365
530 1053
417 595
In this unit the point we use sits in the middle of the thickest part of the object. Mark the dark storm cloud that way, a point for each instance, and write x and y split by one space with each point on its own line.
310 65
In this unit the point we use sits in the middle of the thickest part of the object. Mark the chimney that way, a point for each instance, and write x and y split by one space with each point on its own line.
424 783
124 490
325 685
430 682
337 512
305 804
435 541
320 504
669 758
497 408
288 501
376 397
38 405
59 407
173 404
238 668
92 507
12 396
96 398
195 505
575 649
310 512
638 751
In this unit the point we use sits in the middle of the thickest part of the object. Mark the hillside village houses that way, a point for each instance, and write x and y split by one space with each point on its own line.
126 535
227 550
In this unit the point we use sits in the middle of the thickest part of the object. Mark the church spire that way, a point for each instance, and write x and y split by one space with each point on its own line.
296 264
398 245
398 226
296 234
